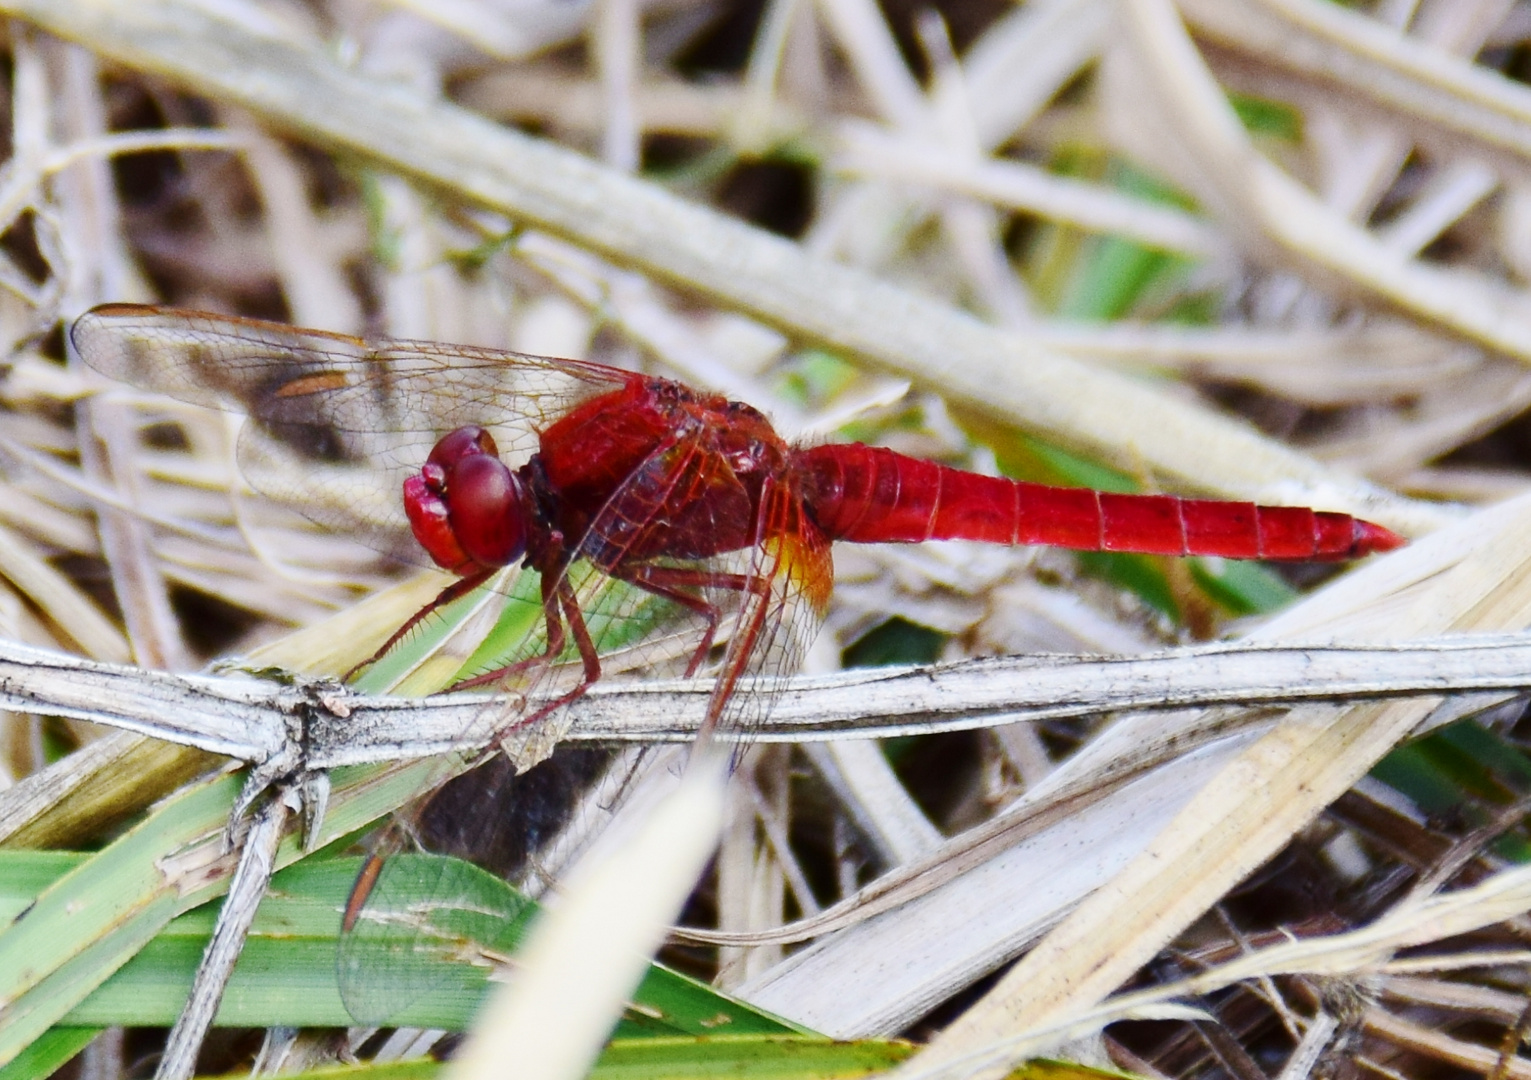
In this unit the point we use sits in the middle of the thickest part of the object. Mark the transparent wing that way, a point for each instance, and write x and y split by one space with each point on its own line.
337 422
407 945
742 618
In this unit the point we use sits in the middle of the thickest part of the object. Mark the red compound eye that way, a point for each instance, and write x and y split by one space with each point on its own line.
465 507
462 443
485 508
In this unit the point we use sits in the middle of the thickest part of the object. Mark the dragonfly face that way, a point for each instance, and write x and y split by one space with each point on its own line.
466 508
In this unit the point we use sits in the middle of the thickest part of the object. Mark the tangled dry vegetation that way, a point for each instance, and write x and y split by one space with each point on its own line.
1260 249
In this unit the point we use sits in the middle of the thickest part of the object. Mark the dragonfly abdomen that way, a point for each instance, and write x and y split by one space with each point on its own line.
868 494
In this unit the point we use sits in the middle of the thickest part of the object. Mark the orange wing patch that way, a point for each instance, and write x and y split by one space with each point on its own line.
321 383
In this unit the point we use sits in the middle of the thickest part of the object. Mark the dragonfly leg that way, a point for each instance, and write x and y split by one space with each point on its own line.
555 596
361 890
554 622
739 654
673 584
589 658
397 835
459 588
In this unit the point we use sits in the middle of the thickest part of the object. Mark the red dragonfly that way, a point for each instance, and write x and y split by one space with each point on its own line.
693 501
684 495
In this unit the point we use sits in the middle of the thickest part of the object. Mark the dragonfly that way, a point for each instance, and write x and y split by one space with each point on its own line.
669 498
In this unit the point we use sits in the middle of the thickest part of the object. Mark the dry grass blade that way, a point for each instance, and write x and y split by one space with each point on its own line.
1443 100
1259 801
640 226
1263 248
986 895
1357 954
1210 151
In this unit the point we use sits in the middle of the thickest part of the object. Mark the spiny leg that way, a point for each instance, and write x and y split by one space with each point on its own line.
559 594
455 591
589 658
670 584
742 647
773 531
576 620
555 633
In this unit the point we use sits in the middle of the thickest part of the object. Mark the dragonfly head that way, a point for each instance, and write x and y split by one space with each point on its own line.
466 508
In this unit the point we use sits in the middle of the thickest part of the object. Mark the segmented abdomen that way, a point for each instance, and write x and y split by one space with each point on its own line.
868 494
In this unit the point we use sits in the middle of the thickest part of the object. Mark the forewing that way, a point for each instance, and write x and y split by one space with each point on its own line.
769 599
337 422
392 959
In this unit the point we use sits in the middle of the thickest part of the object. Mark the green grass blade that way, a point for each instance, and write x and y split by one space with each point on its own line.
287 974
49 1053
